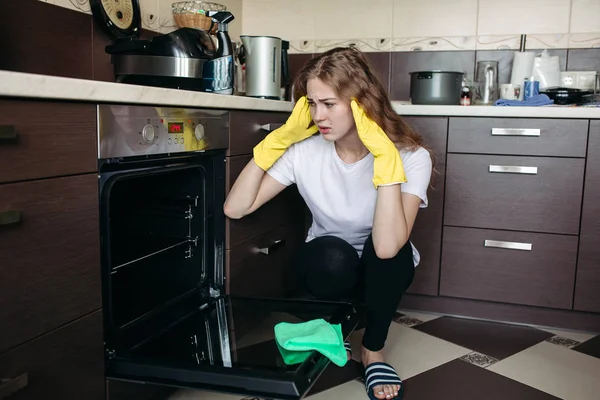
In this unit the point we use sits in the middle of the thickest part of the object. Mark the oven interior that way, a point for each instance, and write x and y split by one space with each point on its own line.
166 316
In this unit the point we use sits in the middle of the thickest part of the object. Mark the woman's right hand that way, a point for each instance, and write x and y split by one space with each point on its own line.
293 131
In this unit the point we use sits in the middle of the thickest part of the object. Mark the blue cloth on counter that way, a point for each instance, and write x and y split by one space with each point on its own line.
537 100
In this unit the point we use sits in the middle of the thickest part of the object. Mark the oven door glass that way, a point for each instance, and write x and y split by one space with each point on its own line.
229 346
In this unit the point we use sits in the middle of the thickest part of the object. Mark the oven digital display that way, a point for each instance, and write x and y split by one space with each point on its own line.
175 127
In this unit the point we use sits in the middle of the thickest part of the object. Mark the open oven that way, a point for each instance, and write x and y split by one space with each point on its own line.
167 318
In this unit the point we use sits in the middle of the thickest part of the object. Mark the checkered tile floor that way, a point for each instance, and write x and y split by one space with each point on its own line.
442 357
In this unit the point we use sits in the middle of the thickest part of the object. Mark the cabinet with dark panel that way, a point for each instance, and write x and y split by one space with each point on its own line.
427 231
260 246
513 206
50 294
587 287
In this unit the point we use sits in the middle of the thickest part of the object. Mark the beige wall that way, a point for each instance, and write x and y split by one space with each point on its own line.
314 25
157 15
400 25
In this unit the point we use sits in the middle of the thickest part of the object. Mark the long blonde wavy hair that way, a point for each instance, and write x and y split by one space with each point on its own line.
349 73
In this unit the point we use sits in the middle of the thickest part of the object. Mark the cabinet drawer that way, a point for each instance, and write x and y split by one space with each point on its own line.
535 194
518 136
286 208
262 267
52 139
484 265
246 129
64 364
49 268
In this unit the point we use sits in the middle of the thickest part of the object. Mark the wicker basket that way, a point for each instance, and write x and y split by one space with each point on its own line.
191 14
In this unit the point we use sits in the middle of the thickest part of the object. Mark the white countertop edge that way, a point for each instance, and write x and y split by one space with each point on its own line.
26 85
37 86
407 109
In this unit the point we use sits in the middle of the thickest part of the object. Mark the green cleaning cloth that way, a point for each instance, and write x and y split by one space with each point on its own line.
297 340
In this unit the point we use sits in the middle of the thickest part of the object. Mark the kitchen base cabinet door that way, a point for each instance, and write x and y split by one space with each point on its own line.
49 255
510 267
587 288
64 364
427 231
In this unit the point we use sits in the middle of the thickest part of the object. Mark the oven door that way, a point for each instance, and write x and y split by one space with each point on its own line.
166 318
229 346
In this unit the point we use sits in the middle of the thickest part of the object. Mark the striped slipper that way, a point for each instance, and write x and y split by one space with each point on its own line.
348 348
379 374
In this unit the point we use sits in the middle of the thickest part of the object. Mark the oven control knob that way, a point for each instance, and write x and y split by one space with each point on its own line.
148 133
199 132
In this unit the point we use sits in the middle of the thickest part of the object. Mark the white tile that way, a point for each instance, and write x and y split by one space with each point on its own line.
150 18
412 352
188 394
420 315
416 18
447 43
285 19
554 369
76 5
523 17
353 19
352 390
584 40
366 45
166 23
573 335
585 16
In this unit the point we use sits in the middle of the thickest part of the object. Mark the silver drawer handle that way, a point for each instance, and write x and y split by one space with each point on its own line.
11 386
269 249
270 127
515 132
512 169
508 245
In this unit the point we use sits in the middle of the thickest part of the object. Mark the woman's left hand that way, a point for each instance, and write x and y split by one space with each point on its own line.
388 167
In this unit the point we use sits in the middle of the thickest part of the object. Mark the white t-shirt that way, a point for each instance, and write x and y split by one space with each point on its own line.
340 196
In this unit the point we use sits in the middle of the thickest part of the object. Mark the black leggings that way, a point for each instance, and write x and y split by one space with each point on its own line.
329 268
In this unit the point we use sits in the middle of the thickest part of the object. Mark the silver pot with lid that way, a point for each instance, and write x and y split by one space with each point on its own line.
436 87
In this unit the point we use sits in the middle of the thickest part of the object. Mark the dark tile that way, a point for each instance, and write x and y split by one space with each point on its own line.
381 63
458 380
584 60
297 61
335 376
46 39
405 62
493 339
590 347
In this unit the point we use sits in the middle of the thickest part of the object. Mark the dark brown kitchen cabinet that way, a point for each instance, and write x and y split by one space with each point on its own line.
427 231
511 267
518 136
263 267
535 194
49 255
248 128
281 210
260 246
66 363
587 287
40 139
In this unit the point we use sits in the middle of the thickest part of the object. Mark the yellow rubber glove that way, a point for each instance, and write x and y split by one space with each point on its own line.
293 131
388 167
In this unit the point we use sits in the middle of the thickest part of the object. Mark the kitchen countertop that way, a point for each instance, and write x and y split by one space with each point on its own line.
25 85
